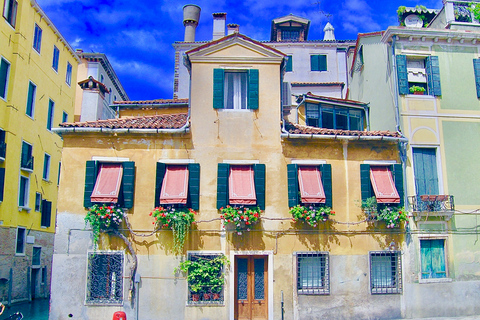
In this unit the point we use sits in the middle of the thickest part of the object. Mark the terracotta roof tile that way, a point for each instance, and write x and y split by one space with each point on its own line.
155 101
300 129
164 121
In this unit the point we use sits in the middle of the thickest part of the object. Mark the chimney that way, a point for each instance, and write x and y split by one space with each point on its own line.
328 32
233 28
219 25
191 15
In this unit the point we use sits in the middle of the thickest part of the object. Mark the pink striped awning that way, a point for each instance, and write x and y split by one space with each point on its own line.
107 186
311 187
241 185
383 185
175 185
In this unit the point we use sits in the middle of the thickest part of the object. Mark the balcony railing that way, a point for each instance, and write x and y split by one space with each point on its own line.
26 163
432 205
3 150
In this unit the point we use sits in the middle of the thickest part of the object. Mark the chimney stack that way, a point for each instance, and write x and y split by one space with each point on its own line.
191 16
219 25
329 35
233 28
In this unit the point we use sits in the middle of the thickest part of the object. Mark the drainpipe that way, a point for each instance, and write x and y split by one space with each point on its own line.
137 293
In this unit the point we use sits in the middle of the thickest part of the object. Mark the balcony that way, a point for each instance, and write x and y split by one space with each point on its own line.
432 206
3 150
27 163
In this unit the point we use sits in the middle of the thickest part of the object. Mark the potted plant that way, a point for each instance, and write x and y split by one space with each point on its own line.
417 90
103 218
205 276
242 218
179 219
369 207
311 215
392 215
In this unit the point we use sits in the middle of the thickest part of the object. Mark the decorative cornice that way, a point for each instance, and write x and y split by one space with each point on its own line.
430 35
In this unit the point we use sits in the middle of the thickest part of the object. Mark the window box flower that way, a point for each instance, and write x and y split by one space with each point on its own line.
311 215
103 218
392 215
241 218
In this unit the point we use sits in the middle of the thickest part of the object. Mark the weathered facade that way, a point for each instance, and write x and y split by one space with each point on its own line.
37 67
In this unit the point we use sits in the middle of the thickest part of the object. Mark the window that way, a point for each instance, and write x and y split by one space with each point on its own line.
241 185
10 11
21 239
4 73
290 35
385 182
23 191
334 117
201 294
105 178
38 201
476 69
425 170
178 185
313 273
37 38
64 117
101 78
432 257
46 167
309 184
235 89
3 145
2 183
105 278
385 272
318 62
46 213
32 92
36 256
68 77
51 112
59 170
418 71
26 161
56 56
289 66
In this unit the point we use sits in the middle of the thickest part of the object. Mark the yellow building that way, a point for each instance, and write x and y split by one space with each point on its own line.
36 94
343 266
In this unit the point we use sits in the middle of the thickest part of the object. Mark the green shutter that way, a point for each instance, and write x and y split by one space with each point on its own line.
4 66
253 89
433 75
90 179
292 182
433 258
259 171
322 62
397 173
365 182
161 168
46 217
2 182
289 67
218 90
314 63
402 74
476 69
194 185
425 171
222 185
128 183
326 170
30 99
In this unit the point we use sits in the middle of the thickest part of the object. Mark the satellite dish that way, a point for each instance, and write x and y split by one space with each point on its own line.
412 20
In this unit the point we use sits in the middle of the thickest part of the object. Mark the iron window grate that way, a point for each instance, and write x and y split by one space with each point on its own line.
206 295
313 273
105 278
385 272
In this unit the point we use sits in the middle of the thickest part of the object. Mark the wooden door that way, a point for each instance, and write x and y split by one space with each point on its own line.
251 280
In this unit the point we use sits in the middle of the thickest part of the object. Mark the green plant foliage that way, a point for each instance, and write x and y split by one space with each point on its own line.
392 215
311 215
177 219
204 274
475 9
241 217
102 218
413 89
400 12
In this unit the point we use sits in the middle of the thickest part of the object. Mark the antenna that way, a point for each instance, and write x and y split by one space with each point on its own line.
326 14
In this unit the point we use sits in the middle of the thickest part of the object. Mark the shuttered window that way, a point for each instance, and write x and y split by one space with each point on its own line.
4 73
46 213
476 69
127 186
289 66
241 185
192 187
235 89
412 70
318 62
224 185
432 253
32 91
175 185
425 170
383 185
366 184
310 183
325 171
107 185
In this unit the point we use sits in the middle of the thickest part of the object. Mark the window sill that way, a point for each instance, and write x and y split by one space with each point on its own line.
2 159
237 110
436 280
420 96
26 169
21 208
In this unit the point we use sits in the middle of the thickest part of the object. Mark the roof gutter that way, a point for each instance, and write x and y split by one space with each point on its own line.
337 137
184 129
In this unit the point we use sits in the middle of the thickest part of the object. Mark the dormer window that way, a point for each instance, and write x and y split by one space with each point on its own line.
334 117
290 35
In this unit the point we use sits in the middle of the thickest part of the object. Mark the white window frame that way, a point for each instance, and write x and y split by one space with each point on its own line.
37 40
26 193
24 241
55 65
6 8
439 165
36 266
239 103
50 114
38 196
34 97
3 59
46 171
432 236
31 154
68 74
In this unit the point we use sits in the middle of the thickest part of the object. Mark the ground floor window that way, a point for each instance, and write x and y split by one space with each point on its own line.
105 277
385 272
313 273
432 256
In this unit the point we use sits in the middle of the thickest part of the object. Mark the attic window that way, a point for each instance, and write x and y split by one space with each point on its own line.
290 35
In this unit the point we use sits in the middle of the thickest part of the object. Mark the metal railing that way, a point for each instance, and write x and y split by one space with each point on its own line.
432 203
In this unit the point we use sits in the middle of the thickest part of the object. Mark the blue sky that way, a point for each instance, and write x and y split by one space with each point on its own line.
137 36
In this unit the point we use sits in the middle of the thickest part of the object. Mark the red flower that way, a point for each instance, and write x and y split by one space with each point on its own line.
247 223
308 218
150 214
